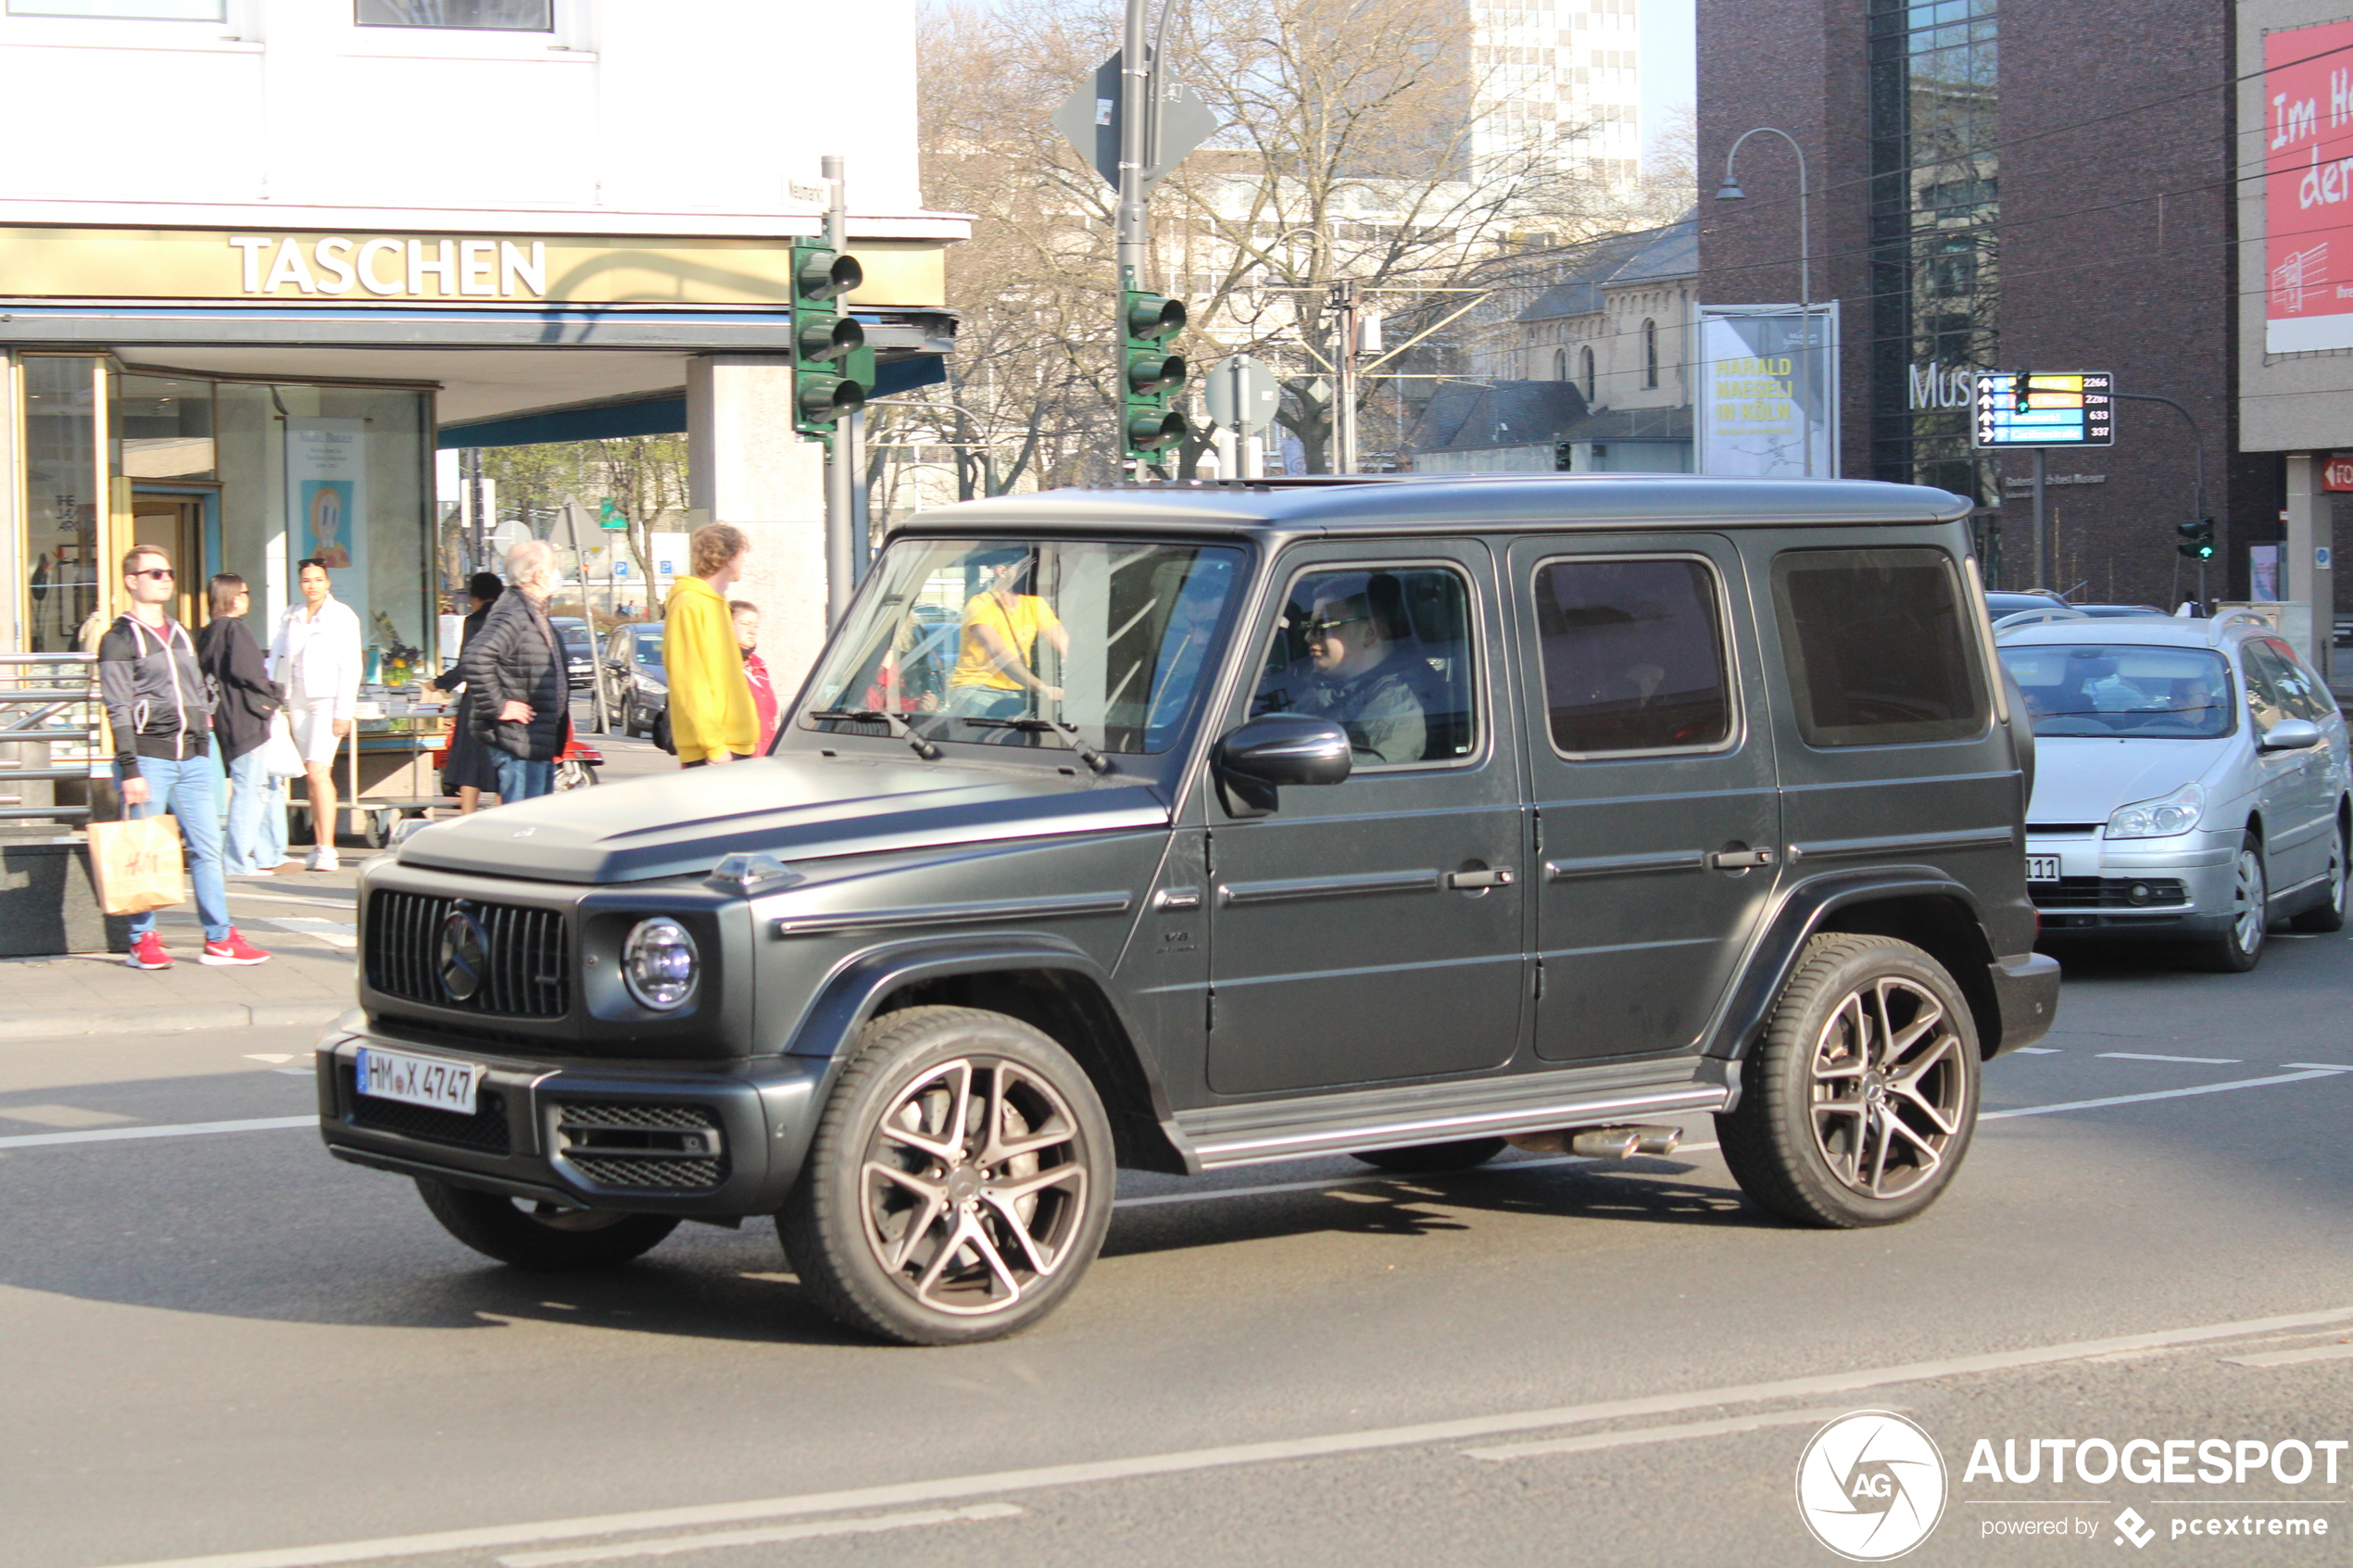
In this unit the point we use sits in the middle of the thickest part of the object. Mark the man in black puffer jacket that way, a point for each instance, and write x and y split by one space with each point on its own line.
515 671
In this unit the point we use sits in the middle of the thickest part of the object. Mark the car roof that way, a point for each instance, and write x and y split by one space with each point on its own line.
2153 631
1431 503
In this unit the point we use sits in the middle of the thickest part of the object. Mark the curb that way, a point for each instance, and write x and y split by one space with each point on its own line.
171 1020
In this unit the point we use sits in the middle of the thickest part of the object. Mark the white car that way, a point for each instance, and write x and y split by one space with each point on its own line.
2191 783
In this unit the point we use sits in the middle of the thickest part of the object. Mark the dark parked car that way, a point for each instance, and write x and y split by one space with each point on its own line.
1405 818
580 649
637 691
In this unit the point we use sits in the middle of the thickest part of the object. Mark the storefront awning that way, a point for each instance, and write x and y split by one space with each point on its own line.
638 326
651 416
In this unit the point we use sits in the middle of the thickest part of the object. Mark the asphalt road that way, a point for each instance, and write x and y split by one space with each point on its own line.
226 1343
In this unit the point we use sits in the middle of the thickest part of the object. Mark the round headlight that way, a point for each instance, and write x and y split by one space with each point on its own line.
659 962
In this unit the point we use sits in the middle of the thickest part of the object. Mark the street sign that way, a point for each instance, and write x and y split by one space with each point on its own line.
608 515
1089 120
2044 408
1243 394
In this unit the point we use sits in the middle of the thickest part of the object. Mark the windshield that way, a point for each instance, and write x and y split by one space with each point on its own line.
2103 689
999 642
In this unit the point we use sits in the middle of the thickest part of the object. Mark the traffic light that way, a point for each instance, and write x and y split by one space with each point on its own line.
823 338
1150 376
2197 538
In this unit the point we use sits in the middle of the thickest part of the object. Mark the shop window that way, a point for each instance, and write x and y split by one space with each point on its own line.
124 10
164 425
487 16
62 493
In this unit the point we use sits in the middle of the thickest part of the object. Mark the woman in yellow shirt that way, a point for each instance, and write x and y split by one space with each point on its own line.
996 660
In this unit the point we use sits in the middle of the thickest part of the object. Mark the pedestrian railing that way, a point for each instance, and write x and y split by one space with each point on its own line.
52 730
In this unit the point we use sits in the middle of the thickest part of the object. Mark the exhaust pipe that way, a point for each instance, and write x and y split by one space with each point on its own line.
1600 1143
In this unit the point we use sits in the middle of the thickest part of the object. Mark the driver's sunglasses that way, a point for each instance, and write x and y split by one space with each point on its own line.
159 574
1318 630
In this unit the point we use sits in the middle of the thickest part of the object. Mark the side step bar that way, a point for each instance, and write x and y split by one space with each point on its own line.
1613 1111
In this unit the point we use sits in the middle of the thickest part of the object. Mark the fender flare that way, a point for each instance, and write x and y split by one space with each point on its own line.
1800 913
847 998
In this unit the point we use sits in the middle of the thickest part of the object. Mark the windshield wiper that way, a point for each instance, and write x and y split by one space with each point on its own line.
891 721
1095 761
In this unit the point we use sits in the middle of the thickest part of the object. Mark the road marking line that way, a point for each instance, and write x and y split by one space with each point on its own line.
2038 1050
1195 1460
269 1055
669 1544
2321 1066
1593 1441
2159 1093
177 1130
2293 1358
2200 1060
61 1116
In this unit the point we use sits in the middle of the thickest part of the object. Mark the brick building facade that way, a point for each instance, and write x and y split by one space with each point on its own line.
2002 184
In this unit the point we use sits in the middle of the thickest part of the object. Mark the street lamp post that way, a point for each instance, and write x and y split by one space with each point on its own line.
1731 191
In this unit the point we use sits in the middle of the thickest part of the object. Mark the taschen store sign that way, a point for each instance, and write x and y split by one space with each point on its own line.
485 269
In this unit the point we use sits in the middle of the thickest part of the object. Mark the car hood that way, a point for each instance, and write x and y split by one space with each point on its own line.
2083 780
680 824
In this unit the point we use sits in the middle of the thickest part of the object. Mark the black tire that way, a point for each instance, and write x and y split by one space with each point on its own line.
1432 1158
843 1223
575 775
373 829
563 1241
1793 1145
2239 947
2329 913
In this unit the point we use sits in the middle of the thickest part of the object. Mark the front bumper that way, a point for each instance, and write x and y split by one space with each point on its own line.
645 1137
2154 887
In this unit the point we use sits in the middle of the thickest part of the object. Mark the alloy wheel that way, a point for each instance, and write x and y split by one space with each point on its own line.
1889 1092
2249 900
975 1185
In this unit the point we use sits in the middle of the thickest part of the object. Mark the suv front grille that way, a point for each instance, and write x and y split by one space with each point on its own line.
2109 892
642 1146
485 1130
526 960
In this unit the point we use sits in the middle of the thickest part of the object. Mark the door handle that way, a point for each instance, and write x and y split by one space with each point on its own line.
1739 860
1498 876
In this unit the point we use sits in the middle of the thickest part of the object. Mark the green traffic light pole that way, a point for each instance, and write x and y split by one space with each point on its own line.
2198 450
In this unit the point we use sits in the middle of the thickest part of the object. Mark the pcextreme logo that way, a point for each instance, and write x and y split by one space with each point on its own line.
1870 1485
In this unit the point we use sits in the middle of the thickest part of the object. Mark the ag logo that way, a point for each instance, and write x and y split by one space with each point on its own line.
1870 1485
465 954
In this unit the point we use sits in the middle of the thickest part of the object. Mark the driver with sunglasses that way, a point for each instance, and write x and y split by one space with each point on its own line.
1361 681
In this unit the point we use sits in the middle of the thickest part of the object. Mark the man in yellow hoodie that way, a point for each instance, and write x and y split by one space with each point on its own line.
712 716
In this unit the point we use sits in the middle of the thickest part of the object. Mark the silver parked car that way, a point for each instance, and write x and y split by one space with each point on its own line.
2191 782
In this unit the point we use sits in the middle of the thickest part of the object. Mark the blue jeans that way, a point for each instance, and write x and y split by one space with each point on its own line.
519 780
184 788
257 834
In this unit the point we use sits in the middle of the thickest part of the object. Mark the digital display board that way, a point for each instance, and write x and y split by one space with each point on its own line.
2044 408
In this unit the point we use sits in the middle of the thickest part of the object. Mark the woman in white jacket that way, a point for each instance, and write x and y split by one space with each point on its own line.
316 656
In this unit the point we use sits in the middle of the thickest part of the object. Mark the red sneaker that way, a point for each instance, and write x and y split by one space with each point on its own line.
233 948
147 953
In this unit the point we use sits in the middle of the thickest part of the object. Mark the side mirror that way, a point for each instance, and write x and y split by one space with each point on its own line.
1256 759
2291 735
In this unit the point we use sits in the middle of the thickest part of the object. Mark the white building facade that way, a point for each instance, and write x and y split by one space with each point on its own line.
311 241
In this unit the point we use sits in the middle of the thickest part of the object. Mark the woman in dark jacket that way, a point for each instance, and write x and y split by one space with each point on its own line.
516 673
472 770
246 699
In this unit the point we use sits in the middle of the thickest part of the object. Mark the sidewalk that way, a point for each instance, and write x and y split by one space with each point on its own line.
304 923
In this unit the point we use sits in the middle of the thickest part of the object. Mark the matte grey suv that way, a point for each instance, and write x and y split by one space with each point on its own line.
1406 819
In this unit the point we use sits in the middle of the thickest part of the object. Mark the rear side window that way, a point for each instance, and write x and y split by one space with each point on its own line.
1633 656
1878 644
